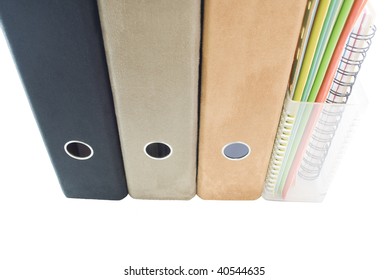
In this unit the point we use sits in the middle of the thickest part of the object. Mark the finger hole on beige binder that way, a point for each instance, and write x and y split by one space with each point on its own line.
236 151
78 150
158 150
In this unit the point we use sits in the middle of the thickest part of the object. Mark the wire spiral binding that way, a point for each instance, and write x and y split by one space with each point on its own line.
331 116
349 67
279 149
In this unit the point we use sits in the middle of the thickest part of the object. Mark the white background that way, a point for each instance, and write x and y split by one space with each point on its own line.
43 235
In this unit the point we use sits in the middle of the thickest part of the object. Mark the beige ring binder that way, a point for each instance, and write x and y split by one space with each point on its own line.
152 50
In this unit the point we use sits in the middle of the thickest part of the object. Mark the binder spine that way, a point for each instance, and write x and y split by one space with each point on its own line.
241 100
58 49
324 132
152 50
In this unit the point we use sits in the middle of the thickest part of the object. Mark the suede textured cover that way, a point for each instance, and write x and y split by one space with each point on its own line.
248 49
152 50
58 48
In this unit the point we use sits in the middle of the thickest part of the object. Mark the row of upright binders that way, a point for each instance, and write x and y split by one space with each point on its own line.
227 99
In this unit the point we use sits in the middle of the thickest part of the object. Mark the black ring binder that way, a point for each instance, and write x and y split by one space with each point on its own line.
58 48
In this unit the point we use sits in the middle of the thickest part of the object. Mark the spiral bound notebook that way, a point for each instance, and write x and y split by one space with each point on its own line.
342 86
152 50
244 44
310 142
59 52
340 93
320 43
333 53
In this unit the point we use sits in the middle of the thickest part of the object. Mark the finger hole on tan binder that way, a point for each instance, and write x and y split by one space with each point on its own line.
236 151
78 150
158 150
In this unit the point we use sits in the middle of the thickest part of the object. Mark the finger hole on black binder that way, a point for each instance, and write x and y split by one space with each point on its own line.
236 151
158 150
78 150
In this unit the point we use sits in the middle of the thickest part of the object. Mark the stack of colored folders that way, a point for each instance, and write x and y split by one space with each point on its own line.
169 99
320 108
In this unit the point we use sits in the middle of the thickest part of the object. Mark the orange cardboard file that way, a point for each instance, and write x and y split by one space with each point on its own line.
248 49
